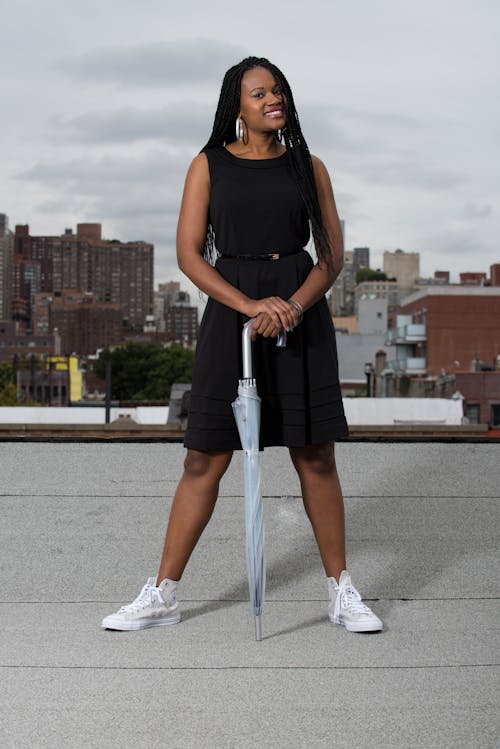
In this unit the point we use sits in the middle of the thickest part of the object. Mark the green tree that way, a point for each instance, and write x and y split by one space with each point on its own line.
8 389
8 395
145 371
6 374
367 274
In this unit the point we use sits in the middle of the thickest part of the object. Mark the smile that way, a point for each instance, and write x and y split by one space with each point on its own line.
275 113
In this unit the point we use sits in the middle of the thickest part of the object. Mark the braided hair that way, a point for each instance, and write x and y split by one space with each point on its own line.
297 150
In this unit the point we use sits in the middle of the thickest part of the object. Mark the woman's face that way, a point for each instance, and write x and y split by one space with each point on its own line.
262 104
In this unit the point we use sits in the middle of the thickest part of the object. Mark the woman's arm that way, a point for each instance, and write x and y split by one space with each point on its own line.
191 234
321 278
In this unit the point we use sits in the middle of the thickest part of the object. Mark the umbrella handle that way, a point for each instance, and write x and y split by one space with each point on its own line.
247 347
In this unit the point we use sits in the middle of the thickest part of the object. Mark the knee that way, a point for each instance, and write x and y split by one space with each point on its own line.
317 459
199 464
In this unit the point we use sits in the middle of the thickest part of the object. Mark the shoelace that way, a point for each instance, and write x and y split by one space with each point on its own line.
349 598
143 600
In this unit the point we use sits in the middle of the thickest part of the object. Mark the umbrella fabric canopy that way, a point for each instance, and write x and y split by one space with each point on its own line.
246 410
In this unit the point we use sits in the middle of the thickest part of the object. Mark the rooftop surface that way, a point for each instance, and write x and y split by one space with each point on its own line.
452 290
82 528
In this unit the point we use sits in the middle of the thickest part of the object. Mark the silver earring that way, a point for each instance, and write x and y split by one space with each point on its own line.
280 134
239 128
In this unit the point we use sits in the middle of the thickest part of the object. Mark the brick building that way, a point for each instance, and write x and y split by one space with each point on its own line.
174 315
25 280
481 392
116 272
83 323
461 324
6 251
58 381
495 274
473 279
14 341
181 324
49 387
442 276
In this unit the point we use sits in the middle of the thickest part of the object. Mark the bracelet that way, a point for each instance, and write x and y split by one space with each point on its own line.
298 309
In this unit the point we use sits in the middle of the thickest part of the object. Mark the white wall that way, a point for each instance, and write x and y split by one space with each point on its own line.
381 411
358 411
76 415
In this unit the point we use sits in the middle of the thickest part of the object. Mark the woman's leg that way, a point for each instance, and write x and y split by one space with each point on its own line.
323 502
192 507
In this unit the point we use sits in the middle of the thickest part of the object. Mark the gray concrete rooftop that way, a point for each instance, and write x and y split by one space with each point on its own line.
82 527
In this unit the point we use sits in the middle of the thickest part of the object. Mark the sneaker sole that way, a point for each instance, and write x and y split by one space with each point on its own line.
359 627
134 626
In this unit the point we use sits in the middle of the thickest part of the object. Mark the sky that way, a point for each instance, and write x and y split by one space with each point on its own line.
104 104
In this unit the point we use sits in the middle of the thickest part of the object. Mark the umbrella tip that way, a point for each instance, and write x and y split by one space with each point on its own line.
258 628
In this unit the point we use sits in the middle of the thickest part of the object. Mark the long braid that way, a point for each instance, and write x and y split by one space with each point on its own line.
298 154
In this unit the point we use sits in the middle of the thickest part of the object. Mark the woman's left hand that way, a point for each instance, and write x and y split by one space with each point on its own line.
265 326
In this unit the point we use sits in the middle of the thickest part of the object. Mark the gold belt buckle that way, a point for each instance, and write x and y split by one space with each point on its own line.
275 256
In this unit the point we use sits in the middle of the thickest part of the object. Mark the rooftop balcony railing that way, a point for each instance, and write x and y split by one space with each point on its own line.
414 333
411 365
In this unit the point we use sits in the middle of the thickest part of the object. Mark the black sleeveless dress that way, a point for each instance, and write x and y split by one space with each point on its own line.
256 208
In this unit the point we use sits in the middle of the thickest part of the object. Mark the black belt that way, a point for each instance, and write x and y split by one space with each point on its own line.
265 255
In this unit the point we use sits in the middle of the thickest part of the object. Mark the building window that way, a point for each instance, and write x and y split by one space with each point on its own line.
495 415
472 412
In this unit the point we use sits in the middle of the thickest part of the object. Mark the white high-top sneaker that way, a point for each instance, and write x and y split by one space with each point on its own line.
155 606
347 608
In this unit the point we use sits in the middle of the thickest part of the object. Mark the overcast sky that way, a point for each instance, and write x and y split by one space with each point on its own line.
104 104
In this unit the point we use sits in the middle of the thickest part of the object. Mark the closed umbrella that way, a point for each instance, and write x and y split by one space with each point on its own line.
246 409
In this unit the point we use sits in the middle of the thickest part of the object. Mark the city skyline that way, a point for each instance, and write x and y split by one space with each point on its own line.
106 111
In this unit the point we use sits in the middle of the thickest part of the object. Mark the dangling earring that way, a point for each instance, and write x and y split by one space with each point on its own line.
281 134
239 128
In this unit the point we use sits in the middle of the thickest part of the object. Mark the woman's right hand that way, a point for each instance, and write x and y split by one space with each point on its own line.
272 316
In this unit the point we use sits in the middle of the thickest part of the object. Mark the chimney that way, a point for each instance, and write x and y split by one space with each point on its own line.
380 361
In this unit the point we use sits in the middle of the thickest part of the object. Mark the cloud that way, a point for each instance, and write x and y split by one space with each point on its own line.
475 210
135 198
186 121
451 242
321 130
412 174
365 117
87 176
179 62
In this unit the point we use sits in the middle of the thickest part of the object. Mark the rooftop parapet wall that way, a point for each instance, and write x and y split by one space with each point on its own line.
376 411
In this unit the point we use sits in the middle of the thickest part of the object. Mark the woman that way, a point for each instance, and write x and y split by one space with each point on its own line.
250 199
